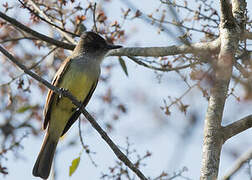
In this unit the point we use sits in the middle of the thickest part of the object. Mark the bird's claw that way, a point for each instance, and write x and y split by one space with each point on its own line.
63 92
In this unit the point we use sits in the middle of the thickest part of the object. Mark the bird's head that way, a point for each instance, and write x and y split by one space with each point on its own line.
93 43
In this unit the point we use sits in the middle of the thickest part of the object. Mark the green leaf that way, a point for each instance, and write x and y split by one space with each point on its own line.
24 108
123 65
74 166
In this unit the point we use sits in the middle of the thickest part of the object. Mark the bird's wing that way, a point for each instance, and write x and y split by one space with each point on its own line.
51 95
77 113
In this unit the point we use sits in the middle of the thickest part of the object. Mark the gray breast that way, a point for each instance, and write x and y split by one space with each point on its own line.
86 65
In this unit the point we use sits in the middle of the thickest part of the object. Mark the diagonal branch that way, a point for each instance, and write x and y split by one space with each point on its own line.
35 33
237 127
120 155
48 22
70 39
238 164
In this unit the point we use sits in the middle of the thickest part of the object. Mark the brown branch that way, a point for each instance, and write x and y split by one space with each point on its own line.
31 67
120 155
94 20
36 34
226 13
237 127
241 69
43 19
18 39
85 147
164 69
248 35
134 51
48 20
11 147
238 164
180 25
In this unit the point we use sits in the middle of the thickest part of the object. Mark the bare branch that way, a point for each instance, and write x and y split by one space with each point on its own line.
17 39
36 34
136 60
238 164
64 93
31 67
248 35
85 147
149 21
133 51
69 38
237 127
241 69
197 48
49 22
11 147
94 20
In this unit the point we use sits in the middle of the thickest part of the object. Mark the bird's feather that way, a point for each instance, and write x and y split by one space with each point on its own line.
51 95
77 113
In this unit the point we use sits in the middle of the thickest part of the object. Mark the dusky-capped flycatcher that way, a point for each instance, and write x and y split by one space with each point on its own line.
78 74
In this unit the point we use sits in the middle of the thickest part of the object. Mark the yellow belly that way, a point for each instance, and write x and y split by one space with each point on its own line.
79 84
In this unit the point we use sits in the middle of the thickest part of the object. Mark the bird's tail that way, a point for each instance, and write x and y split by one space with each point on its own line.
44 160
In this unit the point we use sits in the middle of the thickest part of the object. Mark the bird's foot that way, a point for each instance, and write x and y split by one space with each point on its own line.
63 92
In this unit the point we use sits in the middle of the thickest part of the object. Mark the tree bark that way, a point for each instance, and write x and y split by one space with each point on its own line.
213 135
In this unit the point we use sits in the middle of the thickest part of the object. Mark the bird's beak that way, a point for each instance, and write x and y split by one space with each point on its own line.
112 46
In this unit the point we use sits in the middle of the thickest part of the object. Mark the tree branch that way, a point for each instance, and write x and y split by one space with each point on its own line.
196 48
238 11
70 39
237 127
36 34
120 155
238 164
213 137
48 22
248 35
164 69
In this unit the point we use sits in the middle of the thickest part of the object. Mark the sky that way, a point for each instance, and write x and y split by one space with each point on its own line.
162 138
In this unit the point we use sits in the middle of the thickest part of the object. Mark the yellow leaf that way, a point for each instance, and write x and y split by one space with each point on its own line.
74 166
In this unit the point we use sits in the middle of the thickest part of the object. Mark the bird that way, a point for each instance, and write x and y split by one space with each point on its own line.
78 74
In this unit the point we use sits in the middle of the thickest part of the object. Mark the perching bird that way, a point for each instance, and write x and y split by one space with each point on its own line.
78 74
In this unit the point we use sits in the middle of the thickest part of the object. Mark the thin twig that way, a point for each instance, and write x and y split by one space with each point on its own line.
85 147
136 60
31 67
46 21
63 33
17 39
36 34
94 20
241 69
15 144
120 155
